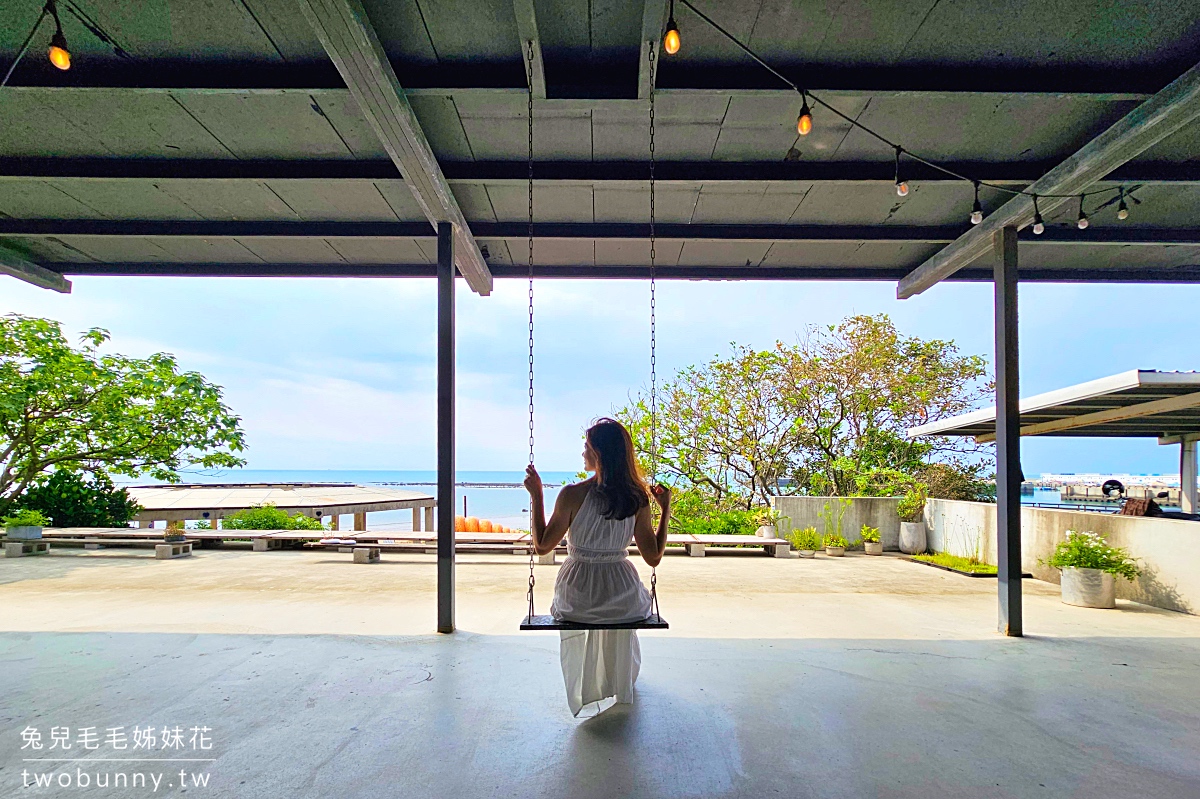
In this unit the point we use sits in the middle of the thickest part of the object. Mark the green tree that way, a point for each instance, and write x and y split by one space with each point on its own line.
76 409
68 499
829 414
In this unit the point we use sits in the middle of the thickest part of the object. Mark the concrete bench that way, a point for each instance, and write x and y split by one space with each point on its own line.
163 550
695 545
19 548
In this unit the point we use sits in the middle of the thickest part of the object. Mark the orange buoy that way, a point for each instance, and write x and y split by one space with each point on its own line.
485 525
460 524
472 525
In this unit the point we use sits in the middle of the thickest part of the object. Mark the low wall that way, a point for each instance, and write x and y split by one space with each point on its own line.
1167 549
876 511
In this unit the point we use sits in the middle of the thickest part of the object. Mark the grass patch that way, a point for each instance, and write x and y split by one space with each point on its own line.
957 563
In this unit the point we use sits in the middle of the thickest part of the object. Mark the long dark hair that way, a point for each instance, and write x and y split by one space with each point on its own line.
620 488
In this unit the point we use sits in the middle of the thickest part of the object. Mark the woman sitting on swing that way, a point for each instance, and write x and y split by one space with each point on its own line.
597 583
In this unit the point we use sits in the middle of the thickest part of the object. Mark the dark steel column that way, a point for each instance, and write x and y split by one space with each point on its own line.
1008 435
445 428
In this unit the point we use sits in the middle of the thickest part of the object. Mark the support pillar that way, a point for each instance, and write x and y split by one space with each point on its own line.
1008 436
360 522
1187 475
333 521
416 520
445 428
429 517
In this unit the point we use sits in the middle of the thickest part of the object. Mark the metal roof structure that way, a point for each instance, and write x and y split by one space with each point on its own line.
188 502
1139 403
223 140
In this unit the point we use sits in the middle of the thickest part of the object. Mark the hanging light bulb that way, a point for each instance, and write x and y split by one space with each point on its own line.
1083 221
804 121
1122 208
976 209
58 53
1039 227
901 186
671 40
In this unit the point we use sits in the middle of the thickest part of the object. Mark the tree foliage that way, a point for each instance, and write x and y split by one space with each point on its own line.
76 409
69 499
826 415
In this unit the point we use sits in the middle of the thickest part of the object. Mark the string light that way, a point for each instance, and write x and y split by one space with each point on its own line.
1038 226
58 53
671 40
976 209
1082 222
901 186
1122 208
804 121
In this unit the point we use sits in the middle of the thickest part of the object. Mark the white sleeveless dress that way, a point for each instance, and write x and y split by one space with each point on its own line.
597 583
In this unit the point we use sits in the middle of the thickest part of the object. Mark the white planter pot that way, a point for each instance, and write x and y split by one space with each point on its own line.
24 533
873 547
912 538
1088 588
835 552
766 531
808 553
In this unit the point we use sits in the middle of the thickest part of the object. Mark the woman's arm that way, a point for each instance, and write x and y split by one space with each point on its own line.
652 543
547 535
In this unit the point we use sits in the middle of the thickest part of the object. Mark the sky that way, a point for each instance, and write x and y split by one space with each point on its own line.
340 373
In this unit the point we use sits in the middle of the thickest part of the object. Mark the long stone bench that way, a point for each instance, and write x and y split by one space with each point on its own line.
695 545
163 550
20 547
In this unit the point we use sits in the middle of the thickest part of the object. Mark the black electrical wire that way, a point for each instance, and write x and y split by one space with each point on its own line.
804 92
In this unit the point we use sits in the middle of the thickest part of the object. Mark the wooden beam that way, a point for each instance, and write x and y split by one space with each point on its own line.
528 31
352 44
654 19
1182 402
16 265
1143 127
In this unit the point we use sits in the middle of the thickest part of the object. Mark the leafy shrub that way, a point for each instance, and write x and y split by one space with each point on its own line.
870 534
954 481
807 539
694 514
834 540
766 517
912 506
68 499
25 518
269 517
1091 551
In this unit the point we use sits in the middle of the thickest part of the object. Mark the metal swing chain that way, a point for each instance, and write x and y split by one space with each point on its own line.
529 110
651 54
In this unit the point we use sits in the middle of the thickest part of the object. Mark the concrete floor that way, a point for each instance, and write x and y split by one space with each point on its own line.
866 677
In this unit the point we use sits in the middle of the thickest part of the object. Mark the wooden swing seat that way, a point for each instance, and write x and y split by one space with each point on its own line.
652 622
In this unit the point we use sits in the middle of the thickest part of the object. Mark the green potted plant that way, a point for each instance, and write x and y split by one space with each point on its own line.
870 540
766 519
912 520
806 541
25 525
835 545
1089 566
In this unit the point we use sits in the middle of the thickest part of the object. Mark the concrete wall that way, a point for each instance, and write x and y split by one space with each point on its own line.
1168 550
876 511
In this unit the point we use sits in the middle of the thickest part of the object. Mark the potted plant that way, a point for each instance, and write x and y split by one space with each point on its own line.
806 541
912 520
25 525
870 540
766 519
835 545
1089 568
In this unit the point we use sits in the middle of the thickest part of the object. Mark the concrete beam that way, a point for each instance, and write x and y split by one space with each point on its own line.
16 265
654 19
528 31
351 42
1151 122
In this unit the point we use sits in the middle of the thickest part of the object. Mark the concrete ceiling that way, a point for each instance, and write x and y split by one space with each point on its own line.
213 82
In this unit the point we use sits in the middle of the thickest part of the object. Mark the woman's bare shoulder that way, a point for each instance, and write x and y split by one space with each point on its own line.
577 492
